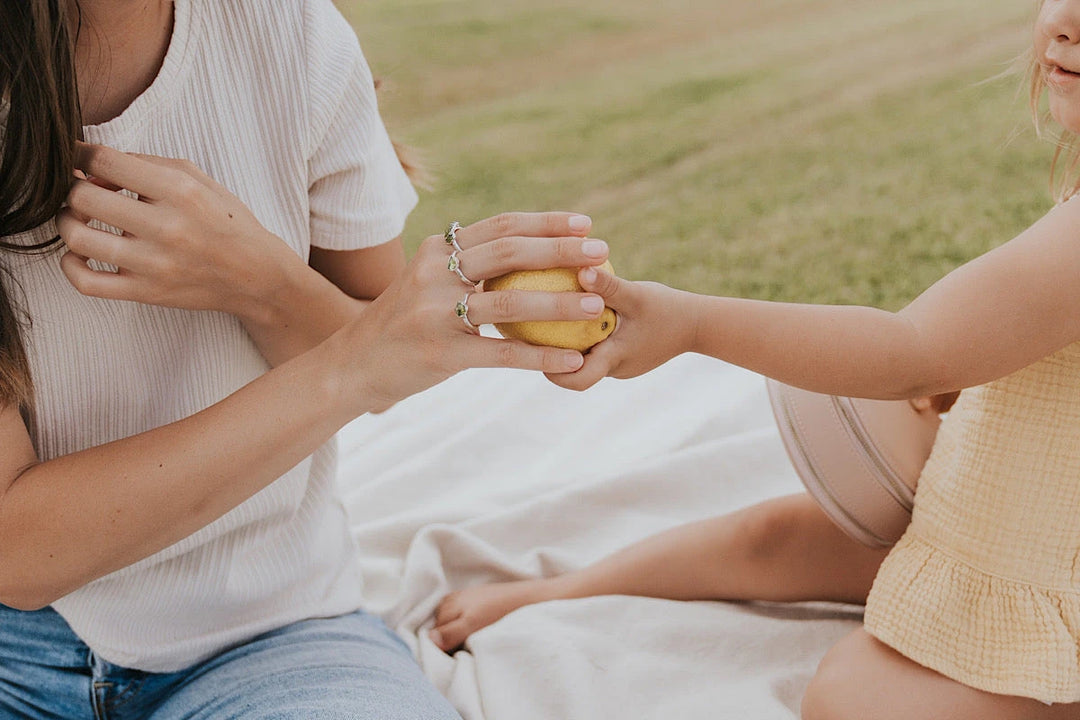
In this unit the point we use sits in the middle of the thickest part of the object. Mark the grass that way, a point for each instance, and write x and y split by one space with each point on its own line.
839 151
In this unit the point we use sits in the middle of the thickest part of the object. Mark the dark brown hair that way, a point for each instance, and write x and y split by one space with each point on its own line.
37 159
37 152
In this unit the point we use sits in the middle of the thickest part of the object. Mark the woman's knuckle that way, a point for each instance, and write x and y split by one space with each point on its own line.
507 354
84 282
174 228
73 234
567 306
101 159
503 249
431 246
166 266
504 223
505 305
187 188
567 251
555 223
78 194
427 273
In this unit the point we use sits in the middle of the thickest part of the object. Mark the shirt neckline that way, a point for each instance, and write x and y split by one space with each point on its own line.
163 86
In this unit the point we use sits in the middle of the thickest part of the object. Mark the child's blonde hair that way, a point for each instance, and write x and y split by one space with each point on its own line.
1065 167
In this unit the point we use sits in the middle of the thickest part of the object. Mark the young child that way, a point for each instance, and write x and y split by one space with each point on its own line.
975 613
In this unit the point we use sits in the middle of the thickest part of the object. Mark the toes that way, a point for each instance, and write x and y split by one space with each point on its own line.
449 609
452 635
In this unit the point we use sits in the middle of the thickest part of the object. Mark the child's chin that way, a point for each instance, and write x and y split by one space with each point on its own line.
1066 114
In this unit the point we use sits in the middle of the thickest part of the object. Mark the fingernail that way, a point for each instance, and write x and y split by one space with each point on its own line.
589 275
592 304
578 223
573 361
436 637
594 248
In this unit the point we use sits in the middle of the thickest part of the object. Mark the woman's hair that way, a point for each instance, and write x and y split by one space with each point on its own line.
39 95
1065 167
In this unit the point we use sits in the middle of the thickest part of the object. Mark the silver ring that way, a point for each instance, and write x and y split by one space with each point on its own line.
462 311
454 265
450 236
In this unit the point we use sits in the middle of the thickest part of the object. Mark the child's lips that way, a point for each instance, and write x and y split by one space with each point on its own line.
1060 76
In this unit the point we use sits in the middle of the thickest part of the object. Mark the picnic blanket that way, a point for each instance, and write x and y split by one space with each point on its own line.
499 475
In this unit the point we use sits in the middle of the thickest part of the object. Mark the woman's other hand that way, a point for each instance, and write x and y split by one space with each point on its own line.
411 337
655 323
187 241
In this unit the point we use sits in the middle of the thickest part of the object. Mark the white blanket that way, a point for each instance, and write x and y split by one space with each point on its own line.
498 475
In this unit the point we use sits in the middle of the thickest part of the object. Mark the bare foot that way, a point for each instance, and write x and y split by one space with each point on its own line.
462 613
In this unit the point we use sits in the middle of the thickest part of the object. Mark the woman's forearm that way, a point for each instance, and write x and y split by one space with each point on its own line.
73 519
296 305
298 313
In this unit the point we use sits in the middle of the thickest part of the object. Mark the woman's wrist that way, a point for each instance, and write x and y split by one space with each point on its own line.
266 295
291 308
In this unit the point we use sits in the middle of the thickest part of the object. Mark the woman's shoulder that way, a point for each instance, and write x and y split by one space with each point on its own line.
290 24
289 42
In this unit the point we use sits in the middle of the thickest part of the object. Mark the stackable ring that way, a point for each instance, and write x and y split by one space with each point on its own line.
454 265
461 309
450 236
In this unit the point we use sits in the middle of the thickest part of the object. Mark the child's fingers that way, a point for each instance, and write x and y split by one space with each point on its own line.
598 363
604 284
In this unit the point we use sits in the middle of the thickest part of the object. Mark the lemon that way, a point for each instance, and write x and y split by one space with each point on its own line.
573 334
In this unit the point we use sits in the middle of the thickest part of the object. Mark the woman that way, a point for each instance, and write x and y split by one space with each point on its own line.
171 545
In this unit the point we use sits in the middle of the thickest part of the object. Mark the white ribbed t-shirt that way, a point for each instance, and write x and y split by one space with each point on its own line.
276 102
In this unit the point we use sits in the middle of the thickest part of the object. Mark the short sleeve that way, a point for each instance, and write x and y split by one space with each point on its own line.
358 192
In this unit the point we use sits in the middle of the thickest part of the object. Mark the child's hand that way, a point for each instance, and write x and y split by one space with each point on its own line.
938 403
655 323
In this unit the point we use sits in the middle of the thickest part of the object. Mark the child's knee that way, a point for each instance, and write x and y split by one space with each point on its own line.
831 694
771 529
817 702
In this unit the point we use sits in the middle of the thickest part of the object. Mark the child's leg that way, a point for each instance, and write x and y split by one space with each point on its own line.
863 678
783 549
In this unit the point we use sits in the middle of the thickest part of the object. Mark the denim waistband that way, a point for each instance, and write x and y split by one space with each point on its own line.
40 637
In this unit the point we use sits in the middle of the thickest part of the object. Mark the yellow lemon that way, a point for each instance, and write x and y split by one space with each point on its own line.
573 334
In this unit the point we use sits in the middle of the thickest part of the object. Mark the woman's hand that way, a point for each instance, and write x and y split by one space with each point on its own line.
187 241
655 323
411 336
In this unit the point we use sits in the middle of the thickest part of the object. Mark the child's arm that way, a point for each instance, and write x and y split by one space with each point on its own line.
986 319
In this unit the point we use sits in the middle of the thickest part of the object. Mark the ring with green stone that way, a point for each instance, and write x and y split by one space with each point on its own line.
454 265
461 309
450 236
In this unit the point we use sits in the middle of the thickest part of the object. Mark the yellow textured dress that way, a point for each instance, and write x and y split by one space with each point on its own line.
984 587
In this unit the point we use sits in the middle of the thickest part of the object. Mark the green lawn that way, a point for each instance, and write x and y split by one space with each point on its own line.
812 150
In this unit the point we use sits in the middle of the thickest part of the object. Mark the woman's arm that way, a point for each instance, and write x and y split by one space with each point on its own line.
189 242
78 517
69 520
310 302
988 318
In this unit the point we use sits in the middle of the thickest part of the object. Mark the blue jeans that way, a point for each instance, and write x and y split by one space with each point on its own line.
351 667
